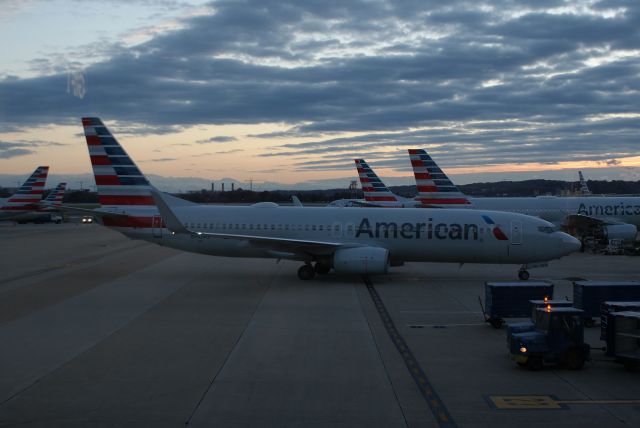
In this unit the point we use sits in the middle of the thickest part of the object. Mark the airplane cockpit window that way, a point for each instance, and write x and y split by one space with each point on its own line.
546 229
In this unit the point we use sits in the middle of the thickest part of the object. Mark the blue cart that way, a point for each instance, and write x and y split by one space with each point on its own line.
512 299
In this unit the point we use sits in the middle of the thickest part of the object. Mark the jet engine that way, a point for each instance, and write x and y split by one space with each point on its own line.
361 260
625 232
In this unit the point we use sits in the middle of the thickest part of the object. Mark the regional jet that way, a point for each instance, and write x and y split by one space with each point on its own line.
347 240
614 217
23 205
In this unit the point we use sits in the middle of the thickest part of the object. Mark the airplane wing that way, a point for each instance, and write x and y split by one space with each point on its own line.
290 246
585 221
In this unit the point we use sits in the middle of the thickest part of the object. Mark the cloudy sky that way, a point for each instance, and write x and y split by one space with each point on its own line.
293 91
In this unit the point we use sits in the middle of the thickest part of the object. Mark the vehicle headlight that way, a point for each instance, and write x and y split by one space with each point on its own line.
523 349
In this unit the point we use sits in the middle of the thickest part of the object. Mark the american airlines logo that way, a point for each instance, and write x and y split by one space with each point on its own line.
618 209
426 230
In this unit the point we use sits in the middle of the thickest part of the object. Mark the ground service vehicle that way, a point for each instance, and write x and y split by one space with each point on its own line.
558 338
530 325
510 299
623 338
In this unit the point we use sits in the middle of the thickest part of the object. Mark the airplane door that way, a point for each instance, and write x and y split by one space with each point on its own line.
156 226
516 232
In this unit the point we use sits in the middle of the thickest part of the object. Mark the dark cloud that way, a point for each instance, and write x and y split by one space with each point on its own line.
490 81
219 139
23 147
226 152
159 160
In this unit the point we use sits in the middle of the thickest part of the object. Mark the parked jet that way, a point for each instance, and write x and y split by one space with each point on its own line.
55 197
22 206
349 240
49 207
376 193
584 189
616 217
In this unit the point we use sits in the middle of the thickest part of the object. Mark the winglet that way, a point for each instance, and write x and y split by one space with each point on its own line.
168 216
296 201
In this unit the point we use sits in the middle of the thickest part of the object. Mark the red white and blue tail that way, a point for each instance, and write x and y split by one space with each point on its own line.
434 187
373 188
120 183
30 193
54 198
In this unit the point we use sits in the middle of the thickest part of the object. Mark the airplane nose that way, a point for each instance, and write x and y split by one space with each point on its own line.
568 243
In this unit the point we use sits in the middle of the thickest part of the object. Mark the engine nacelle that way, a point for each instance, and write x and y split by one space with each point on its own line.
625 232
361 260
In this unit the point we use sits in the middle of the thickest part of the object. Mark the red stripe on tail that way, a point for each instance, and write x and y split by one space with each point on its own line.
105 180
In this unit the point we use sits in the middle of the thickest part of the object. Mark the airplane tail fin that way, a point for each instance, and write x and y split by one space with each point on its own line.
584 189
120 183
434 187
373 188
55 197
30 193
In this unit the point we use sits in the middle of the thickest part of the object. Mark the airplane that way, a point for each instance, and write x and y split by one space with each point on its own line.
376 193
584 189
349 240
23 205
612 217
50 206
54 198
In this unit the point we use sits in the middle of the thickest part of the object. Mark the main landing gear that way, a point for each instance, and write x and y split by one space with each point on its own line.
523 273
308 271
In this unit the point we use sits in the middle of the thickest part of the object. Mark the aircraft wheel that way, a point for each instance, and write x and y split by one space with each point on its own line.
322 269
575 359
306 272
523 275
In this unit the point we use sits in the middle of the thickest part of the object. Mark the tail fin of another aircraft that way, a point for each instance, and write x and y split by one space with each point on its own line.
434 187
55 197
120 183
373 188
584 189
30 193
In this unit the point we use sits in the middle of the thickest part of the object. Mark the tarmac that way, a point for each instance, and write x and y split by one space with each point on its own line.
97 330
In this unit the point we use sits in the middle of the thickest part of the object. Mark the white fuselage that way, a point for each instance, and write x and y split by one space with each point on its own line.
556 209
411 234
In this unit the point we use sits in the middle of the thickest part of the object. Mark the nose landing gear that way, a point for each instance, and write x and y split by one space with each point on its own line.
523 274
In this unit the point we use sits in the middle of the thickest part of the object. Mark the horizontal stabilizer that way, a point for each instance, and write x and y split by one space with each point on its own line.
170 219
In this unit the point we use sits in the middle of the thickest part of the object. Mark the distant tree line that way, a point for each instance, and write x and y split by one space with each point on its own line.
500 188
